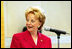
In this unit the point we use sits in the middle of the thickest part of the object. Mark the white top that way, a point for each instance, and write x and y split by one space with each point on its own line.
36 41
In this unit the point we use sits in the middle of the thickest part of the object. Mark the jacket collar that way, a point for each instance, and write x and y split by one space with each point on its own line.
29 39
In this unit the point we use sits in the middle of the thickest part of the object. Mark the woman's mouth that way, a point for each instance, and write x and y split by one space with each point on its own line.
30 27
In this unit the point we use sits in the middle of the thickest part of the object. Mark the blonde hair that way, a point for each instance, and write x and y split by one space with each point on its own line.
38 13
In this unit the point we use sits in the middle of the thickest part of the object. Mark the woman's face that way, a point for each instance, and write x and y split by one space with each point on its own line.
32 22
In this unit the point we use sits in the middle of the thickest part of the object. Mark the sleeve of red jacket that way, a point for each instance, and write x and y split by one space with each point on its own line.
14 42
50 44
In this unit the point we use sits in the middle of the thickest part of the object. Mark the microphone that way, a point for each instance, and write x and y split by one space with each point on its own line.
55 30
58 32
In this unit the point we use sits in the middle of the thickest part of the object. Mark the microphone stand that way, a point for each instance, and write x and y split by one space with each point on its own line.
58 32
58 37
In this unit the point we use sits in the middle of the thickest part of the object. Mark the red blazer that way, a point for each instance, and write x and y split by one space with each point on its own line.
24 40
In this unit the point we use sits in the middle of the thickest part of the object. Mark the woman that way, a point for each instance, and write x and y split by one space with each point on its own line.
31 38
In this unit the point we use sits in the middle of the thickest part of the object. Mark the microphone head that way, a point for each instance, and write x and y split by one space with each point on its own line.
47 28
55 30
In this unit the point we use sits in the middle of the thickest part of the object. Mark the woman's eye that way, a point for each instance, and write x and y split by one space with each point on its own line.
32 21
27 20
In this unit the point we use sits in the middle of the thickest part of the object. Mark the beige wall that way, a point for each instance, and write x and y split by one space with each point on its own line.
67 45
58 15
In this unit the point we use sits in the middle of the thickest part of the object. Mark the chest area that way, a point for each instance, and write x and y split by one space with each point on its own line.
29 43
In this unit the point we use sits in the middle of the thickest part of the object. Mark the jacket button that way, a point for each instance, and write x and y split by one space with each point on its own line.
41 40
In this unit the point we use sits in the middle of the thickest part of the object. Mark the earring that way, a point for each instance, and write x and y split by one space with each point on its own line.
38 26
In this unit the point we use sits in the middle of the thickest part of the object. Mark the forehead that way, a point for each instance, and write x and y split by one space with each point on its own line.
31 16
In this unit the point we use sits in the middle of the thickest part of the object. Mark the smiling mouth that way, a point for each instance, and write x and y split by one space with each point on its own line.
30 27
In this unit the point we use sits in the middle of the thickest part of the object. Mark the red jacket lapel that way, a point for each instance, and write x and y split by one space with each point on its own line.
29 39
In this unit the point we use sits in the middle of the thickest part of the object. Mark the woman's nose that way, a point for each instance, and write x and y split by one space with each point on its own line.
29 22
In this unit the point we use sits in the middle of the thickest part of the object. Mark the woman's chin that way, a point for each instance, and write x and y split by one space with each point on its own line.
30 30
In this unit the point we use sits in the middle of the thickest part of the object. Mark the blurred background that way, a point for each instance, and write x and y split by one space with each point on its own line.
58 16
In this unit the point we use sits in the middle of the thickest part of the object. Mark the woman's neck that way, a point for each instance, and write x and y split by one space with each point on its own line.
34 34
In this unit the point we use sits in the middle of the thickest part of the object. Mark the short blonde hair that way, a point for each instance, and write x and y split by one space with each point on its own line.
38 13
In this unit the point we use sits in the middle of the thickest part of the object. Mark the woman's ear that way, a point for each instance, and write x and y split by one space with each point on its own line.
40 24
